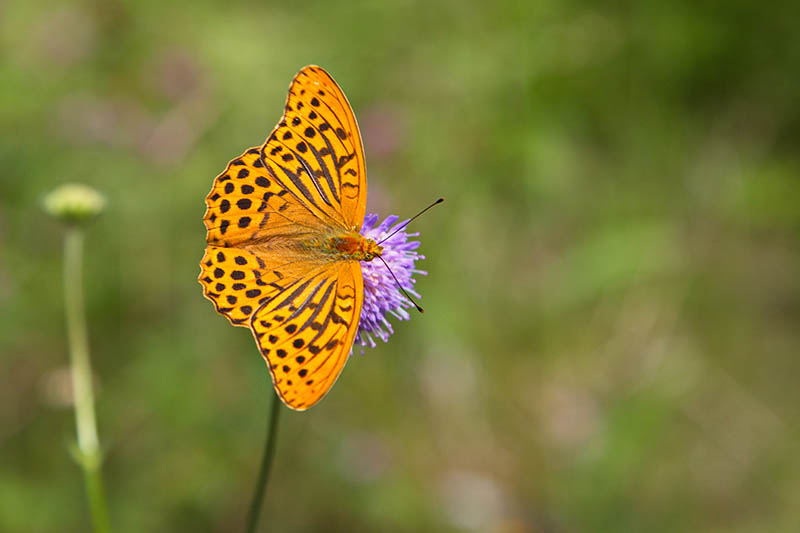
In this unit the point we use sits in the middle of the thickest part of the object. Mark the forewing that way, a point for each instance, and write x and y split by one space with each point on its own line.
306 332
316 151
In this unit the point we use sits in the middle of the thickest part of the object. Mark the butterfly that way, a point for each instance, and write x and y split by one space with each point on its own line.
283 244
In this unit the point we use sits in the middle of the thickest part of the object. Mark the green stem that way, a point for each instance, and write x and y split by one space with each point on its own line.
266 464
88 443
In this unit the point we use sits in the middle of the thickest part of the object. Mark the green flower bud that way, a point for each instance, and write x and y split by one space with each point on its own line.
74 203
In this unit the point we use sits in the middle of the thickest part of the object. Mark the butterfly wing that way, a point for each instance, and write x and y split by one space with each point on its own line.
316 152
306 331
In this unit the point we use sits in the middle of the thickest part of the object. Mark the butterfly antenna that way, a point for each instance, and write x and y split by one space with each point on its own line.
407 222
419 308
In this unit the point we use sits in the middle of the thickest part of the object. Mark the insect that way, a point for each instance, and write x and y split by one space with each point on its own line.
283 244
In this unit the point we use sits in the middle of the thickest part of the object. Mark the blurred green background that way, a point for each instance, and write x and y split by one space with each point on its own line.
612 335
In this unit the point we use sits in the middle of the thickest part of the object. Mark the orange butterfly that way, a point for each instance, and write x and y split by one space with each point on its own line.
284 246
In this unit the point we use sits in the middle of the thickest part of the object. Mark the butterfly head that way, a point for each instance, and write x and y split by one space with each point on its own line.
371 249
368 250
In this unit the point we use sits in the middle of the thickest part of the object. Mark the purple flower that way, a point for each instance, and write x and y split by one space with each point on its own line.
381 295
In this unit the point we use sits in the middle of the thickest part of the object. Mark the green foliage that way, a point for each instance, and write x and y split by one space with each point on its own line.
611 333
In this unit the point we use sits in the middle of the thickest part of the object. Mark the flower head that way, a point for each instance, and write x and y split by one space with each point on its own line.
74 202
381 295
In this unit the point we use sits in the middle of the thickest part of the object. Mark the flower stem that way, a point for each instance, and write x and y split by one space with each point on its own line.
89 455
266 464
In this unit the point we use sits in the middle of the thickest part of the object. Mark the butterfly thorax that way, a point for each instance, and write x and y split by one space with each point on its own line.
346 246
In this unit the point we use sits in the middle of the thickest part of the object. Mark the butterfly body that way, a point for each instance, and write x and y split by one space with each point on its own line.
350 246
284 250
